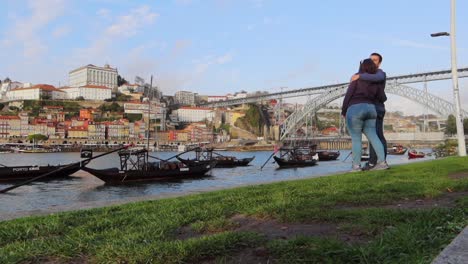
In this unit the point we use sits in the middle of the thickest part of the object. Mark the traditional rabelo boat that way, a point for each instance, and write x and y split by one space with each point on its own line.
135 167
325 155
397 150
22 173
414 154
297 157
205 156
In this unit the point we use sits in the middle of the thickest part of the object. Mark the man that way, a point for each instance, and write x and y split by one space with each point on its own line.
380 78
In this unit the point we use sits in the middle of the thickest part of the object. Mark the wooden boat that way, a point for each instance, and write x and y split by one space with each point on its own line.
297 157
22 173
205 156
134 167
414 154
324 155
397 150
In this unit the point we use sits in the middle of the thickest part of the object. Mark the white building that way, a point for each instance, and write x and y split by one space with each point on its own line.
129 88
185 98
93 75
240 95
195 114
88 92
36 92
214 98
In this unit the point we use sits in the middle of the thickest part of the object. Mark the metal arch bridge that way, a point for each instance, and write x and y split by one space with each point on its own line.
436 104
400 79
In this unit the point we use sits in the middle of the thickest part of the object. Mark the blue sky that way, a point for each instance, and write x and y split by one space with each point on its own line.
220 46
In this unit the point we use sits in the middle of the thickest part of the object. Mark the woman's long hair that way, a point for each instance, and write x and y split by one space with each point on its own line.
367 66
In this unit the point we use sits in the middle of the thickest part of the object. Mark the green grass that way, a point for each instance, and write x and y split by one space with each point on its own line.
147 231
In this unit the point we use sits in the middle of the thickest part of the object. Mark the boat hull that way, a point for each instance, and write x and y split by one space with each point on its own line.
416 155
116 176
294 163
395 152
328 155
23 173
220 163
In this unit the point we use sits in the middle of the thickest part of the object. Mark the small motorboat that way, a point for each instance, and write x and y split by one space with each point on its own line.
414 154
397 150
134 167
325 155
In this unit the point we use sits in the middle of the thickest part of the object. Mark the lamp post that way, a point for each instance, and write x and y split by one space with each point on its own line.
456 93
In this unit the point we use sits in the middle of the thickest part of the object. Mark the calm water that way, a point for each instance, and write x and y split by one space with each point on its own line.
84 190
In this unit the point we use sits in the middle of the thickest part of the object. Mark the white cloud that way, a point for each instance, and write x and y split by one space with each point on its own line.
26 29
129 25
61 31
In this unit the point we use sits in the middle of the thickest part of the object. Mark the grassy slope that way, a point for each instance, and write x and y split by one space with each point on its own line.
146 231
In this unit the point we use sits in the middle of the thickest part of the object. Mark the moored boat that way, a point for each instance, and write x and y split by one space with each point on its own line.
325 155
205 156
136 168
414 154
397 150
297 157
23 173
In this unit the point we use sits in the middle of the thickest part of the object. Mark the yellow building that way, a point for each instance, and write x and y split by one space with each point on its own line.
78 132
183 136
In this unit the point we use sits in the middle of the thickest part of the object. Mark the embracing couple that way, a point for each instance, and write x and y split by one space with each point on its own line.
364 110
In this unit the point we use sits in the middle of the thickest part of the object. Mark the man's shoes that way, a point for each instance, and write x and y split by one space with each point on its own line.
356 168
380 166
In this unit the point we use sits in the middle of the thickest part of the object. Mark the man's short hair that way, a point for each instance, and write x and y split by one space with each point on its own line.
378 55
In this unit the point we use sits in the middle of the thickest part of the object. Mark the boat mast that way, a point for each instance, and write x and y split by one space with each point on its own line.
149 113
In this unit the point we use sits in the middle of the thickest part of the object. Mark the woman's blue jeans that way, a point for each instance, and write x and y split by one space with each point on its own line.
361 118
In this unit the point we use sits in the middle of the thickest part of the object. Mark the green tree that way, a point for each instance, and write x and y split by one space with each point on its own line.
79 98
451 127
37 137
121 80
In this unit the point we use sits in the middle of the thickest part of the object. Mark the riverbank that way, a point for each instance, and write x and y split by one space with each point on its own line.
403 215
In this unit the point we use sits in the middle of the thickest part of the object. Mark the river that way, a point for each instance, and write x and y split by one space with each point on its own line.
85 191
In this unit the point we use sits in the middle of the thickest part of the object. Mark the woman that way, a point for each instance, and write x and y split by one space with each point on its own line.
359 110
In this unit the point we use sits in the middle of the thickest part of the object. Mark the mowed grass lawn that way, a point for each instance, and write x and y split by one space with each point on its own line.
346 218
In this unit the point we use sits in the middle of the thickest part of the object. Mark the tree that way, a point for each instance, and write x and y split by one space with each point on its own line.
120 80
451 127
79 98
37 137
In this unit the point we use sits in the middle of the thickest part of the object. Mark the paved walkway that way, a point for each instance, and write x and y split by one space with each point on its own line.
456 252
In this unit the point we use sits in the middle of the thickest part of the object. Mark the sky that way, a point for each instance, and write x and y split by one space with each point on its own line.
216 47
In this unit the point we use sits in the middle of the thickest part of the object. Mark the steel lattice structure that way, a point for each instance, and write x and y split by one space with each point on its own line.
401 79
435 103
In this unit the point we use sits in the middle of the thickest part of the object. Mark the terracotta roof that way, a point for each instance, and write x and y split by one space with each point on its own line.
9 117
45 87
